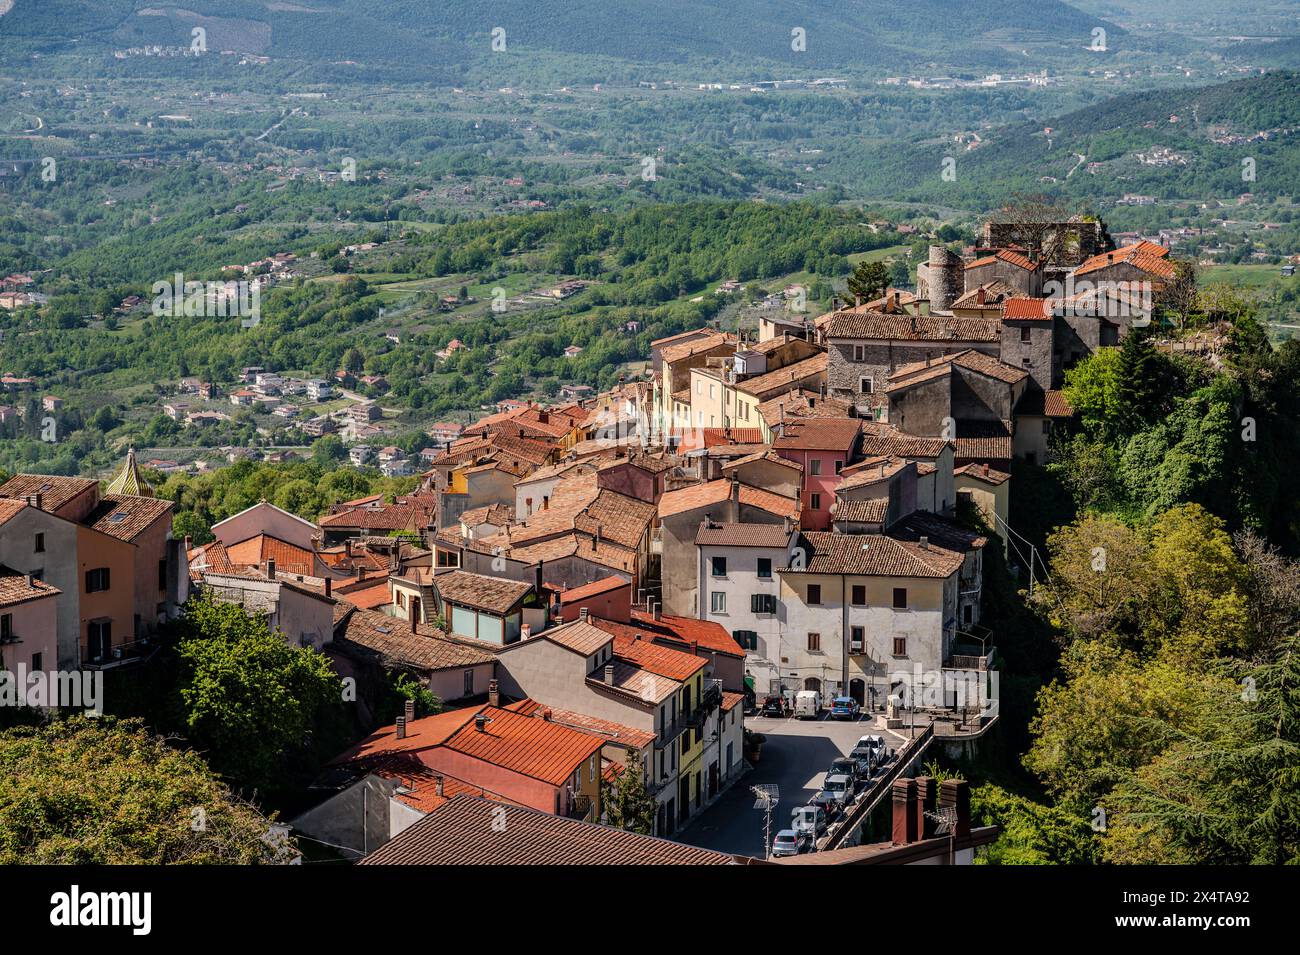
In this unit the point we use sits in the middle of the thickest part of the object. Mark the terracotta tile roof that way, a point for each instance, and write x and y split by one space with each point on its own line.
682 633
730 699
551 471
461 833
715 492
210 557
636 683
8 509
671 354
373 634
743 535
497 514
765 455
420 785
995 293
1056 406
580 636
593 589
766 385
1146 256
878 326
861 512
574 492
659 660
982 472
55 491
288 557
1026 310
15 590
970 359
802 404
881 439
818 434
874 555
412 512
869 471
940 531
607 554
1017 259
981 447
619 518
365 594
531 747
493 594
606 729
126 518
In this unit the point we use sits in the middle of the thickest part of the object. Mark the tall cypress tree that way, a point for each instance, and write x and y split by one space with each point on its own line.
1139 385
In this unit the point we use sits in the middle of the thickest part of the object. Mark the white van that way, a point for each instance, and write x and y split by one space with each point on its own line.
807 704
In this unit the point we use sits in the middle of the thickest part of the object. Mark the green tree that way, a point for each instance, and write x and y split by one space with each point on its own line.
245 696
628 804
102 791
1032 834
869 280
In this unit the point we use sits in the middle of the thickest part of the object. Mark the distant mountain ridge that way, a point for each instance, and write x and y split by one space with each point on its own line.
837 34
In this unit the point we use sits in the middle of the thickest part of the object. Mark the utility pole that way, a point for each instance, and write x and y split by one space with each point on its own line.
767 795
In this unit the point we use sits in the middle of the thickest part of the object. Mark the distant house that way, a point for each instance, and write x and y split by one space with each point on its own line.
376 383
319 426
361 454
573 351
318 390
244 398
51 403
445 432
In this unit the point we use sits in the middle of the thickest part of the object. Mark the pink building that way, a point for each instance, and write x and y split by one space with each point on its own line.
824 446
28 622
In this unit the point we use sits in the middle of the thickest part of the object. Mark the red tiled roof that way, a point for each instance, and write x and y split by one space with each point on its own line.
462 832
982 472
1005 255
764 386
818 434
1146 256
393 641
743 535
878 326
689 631
595 588
659 660
493 594
875 555
606 729
1026 310
715 492
288 557
55 491
14 588
970 359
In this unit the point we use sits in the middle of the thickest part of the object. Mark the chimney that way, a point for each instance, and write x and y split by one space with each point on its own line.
409 708
925 542
481 722
546 714
735 500
401 727
583 614
189 542
926 799
955 794
986 469
347 547
270 569
857 300
609 674
439 786
904 811
361 573
329 587
410 604
37 501
979 296
785 523
494 693
31 580
659 610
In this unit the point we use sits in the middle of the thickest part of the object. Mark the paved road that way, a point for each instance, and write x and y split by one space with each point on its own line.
795 757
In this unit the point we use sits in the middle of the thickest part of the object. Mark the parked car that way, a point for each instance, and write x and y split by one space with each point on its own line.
847 766
776 706
841 787
809 819
873 747
790 842
845 708
828 802
807 704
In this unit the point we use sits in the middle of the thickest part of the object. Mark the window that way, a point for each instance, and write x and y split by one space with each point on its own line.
815 466
966 613
857 636
591 769
765 567
859 595
900 598
6 627
867 385
839 465
815 502
1024 333
469 682
814 593
712 393
686 742
859 353
719 566
699 387
40 543
36 662
747 639
99 639
762 603
814 643
900 646
718 602
96 580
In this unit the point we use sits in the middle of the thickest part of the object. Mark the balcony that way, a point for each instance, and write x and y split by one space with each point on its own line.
120 654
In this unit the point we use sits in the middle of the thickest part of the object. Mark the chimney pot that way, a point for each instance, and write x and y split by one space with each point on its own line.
954 794
481 722
926 799
925 542
440 786
609 674
494 693
401 727
583 614
904 828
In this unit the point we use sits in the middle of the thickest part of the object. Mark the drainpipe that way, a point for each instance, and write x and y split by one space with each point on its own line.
844 635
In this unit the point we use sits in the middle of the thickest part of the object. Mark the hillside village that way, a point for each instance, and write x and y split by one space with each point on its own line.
613 583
